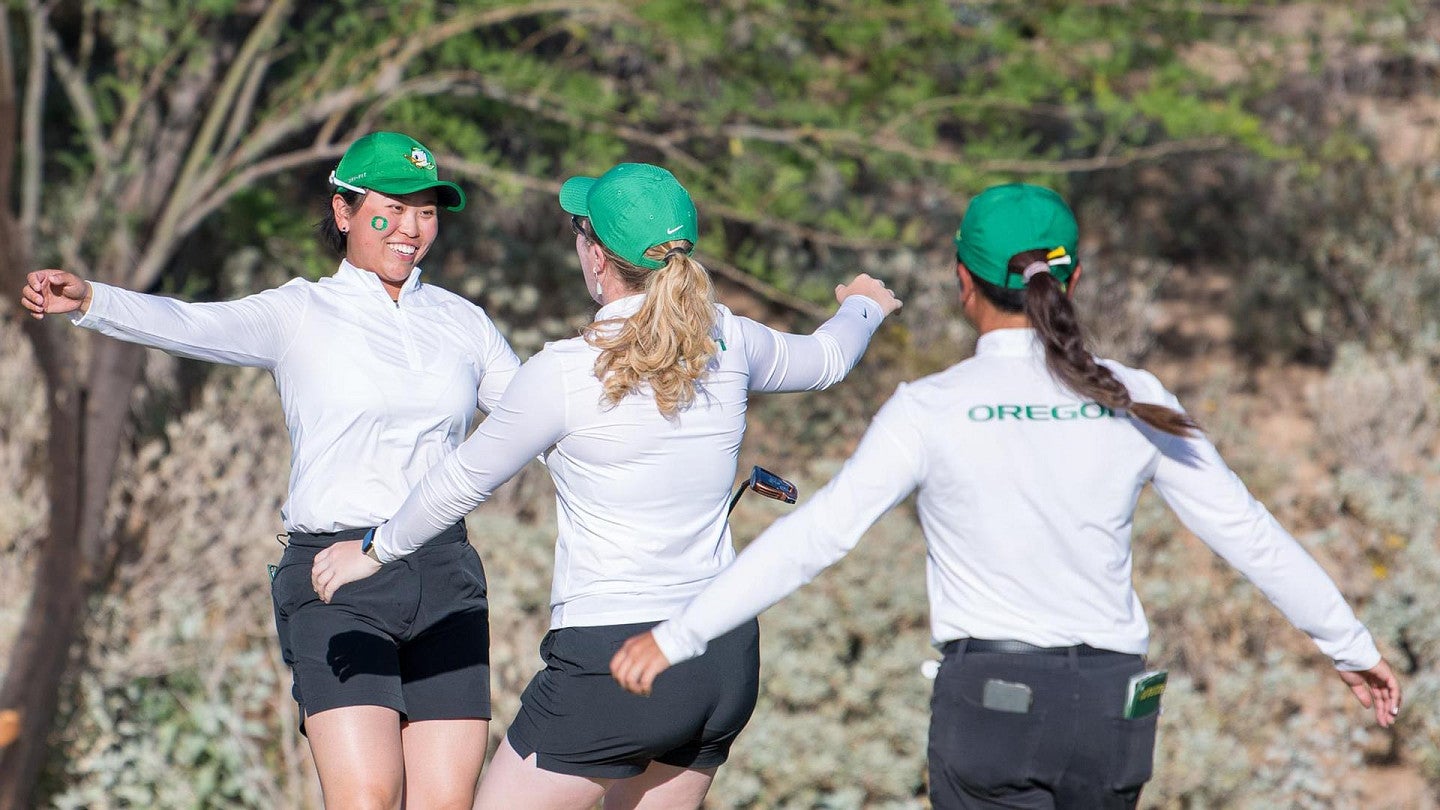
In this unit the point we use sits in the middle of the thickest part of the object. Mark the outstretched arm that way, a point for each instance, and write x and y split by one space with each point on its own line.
1215 504
529 418
886 467
252 331
779 361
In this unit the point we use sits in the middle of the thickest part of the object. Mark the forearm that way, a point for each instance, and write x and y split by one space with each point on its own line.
795 549
529 418
785 362
1215 504
249 332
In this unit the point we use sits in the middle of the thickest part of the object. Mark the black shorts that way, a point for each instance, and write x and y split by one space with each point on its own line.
1073 748
415 637
578 721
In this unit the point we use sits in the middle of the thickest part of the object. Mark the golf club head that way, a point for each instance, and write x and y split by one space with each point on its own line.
772 486
768 484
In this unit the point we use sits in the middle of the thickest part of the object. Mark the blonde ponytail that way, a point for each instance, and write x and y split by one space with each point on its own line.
667 344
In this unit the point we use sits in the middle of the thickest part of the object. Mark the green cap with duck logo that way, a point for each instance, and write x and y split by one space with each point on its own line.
633 207
1005 220
393 164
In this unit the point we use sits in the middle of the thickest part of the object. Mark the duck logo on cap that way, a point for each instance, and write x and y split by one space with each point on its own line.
421 158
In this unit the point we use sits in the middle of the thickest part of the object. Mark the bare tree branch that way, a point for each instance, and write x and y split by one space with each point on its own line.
896 123
858 143
9 111
197 194
245 105
77 89
246 179
770 293
392 55
797 231
33 147
484 172
186 191
664 144
122 134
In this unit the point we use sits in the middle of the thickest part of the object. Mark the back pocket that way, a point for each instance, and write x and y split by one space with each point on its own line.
985 749
1134 761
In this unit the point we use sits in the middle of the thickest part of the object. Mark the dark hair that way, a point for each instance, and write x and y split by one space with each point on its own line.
1048 308
328 229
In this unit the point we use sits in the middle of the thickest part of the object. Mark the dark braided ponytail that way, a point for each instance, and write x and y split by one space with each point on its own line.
1048 308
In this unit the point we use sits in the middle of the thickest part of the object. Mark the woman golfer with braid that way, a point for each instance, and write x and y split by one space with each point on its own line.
1028 459
640 422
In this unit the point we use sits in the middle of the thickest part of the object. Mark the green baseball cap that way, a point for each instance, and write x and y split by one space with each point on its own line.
633 207
1005 220
393 164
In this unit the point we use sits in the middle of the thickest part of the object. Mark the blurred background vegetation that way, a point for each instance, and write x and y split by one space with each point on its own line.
1258 185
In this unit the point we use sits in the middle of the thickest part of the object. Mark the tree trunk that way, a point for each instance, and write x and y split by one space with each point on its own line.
76 559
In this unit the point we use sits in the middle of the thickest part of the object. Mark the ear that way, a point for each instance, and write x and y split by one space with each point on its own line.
342 212
1074 279
599 263
967 281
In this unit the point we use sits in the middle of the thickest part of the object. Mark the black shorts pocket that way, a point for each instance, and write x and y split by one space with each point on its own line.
1134 761
290 587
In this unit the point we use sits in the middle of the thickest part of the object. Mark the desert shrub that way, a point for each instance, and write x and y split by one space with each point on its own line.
843 709
1348 254
182 675
1380 422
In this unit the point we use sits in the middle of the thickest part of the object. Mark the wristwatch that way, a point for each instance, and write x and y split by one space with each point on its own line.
367 545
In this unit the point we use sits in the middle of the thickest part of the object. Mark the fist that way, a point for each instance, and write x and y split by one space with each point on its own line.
55 292
870 287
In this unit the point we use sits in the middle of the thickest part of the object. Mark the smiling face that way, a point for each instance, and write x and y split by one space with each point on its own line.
388 235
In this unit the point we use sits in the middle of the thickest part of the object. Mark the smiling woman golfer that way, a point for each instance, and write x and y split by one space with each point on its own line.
1028 459
640 422
379 376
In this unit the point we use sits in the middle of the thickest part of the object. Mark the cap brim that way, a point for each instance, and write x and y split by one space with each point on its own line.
575 195
447 194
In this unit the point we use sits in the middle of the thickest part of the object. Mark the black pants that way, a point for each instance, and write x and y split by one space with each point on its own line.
1072 749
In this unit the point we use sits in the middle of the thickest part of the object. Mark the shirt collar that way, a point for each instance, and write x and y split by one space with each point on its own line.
621 307
351 274
1011 342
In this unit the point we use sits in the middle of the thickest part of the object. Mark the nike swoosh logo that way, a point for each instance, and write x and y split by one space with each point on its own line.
674 229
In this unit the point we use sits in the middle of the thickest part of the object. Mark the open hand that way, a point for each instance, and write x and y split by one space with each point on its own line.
1376 688
638 663
53 292
870 287
340 563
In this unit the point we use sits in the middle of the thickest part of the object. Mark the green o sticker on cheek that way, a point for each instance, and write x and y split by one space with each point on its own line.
379 223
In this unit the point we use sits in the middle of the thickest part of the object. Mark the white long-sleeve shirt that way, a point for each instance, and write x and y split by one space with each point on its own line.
375 391
641 498
1026 496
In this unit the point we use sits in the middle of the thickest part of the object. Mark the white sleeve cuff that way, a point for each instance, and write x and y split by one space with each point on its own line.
676 644
92 313
1361 655
380 544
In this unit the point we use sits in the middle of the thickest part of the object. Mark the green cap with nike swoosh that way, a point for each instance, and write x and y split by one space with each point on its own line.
632 208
